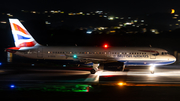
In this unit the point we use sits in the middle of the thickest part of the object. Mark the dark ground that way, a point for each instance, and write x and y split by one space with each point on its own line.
99 93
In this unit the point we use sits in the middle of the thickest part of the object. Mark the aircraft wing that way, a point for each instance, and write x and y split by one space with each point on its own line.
92 59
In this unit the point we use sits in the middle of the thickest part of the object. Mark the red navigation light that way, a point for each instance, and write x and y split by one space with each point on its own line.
105 46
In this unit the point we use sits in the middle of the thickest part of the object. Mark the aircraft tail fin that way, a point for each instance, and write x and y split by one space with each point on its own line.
22 38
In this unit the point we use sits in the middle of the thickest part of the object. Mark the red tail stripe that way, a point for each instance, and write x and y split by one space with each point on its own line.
27 44
18 28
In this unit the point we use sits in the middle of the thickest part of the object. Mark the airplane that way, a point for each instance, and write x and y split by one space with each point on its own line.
27 46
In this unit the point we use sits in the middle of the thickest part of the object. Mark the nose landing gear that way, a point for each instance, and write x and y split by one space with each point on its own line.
152 69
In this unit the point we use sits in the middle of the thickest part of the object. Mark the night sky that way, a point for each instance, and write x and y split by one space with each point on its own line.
120 7
116 7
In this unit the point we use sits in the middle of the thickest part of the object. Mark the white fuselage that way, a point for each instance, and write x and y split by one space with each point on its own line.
135 56
27 46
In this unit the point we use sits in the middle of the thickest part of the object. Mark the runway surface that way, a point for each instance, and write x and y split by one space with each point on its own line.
136 83
162 75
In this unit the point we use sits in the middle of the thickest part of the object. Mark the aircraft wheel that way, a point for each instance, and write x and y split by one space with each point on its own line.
93 71
152 72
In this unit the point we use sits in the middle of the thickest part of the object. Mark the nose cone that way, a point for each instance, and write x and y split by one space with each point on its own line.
172 58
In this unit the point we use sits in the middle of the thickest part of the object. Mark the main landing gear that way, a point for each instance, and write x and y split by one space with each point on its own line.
120 66
92 71
95 68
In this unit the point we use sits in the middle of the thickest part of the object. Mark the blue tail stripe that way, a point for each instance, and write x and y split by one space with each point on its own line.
21 37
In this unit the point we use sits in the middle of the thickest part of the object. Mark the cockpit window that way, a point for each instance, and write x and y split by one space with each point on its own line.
155 54
164 53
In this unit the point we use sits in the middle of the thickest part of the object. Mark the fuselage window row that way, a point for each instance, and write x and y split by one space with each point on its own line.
135 53
97 53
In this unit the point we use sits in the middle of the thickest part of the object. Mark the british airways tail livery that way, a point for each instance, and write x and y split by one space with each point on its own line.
22 38
122 56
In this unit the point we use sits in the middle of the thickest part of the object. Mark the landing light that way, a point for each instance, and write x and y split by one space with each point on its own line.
152 67
0 63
